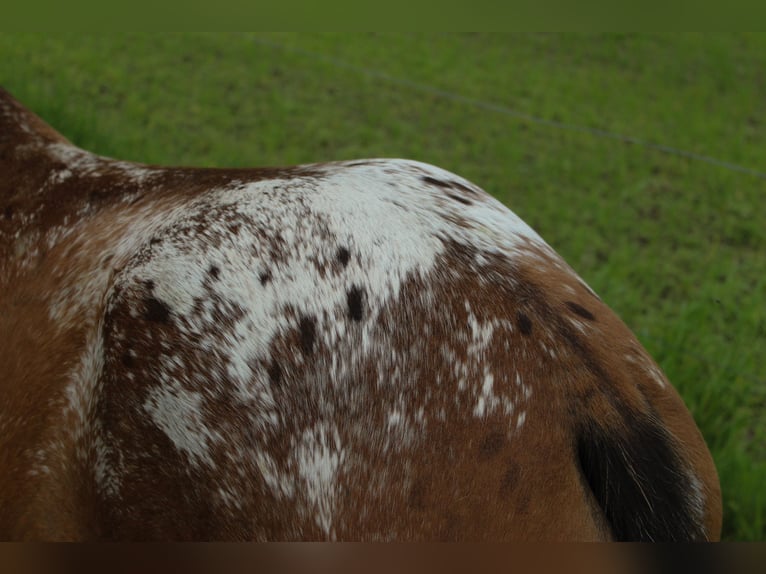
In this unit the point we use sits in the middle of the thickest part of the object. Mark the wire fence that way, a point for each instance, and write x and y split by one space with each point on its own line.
504 110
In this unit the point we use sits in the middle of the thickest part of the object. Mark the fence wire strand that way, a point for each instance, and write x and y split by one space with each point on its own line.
510 112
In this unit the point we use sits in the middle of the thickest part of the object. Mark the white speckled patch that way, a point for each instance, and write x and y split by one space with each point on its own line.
266 254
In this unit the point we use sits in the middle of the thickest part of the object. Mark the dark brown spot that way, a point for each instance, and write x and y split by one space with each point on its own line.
437 182
491 445
149 285
510 478
127 360
95 197
214 271
154 241
458 198
580 310
265 277
524 323
308 334
275 373
462 187
355 298
156 310
343 256
450 185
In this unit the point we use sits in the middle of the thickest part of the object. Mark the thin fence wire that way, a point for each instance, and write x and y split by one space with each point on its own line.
501 109
497 108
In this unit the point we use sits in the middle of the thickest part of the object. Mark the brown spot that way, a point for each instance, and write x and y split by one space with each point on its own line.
462 187
156 310
343 256
458 198
214 271
97 196
437 182
449 185
308 334
491 445
524 323
355 298
275 373
580 310
265 277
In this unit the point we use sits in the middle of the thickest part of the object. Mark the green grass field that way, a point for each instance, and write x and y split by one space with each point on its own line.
676 246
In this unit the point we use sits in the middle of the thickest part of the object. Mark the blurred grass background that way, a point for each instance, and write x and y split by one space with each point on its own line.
675 245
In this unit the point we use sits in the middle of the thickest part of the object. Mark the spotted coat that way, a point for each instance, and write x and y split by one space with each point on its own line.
359 350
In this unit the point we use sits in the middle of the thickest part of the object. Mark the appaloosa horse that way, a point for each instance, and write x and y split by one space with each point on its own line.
360 350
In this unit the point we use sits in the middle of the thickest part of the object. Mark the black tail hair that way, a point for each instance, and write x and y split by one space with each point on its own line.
640 482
